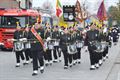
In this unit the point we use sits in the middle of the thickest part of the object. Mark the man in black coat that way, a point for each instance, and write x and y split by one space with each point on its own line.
37 48
92 37
18 34
56 37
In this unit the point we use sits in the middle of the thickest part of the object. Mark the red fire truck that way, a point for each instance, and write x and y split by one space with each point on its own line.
8 19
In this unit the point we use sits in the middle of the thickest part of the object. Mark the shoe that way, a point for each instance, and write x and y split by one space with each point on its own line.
50 63
31 60
104 58
35 73
27 62
70 65
42 69
107 56
79 61
24 62
60 60
55 61
100 62
97 66
92 67
17 65
86 50
46 63
74 62
65 67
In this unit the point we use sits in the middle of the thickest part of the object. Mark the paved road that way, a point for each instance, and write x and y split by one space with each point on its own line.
56 71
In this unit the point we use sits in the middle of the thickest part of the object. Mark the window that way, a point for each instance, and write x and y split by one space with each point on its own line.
10 21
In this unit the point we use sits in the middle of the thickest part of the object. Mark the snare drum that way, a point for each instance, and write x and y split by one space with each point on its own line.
27 45
56 43
72 49
104 45
79 44
50 46
18 46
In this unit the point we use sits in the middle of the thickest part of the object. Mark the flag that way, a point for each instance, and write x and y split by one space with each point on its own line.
78 9
101 14
58 9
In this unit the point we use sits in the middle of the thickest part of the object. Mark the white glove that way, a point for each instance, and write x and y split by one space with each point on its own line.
48 39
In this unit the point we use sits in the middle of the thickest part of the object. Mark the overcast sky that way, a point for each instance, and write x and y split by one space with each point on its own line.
91 4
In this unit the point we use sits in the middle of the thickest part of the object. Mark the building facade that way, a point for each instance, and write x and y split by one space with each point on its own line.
24 4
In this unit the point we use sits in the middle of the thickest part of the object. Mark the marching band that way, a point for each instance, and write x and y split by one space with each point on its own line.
46 45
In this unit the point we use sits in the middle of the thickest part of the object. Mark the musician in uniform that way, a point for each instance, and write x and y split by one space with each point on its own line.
65 41
93 37
105 37
114 35
56 37
27 51
79 40
18 35
35 36
73 57
47 37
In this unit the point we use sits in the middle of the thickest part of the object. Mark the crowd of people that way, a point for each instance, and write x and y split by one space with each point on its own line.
47 44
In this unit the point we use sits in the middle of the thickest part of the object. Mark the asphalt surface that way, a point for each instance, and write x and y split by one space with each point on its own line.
110 70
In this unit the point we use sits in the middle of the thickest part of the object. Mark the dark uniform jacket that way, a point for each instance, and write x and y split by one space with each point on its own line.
35 44
65 39
56 35
18 34
92 35
78 36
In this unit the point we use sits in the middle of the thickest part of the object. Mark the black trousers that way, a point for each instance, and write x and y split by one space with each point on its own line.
105 52
67 57
94 57
78 53
48 55
100 55
18 55
28 54
37 56
115 39
56 49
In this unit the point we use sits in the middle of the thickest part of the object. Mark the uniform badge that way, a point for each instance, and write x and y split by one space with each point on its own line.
68 38
96 35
